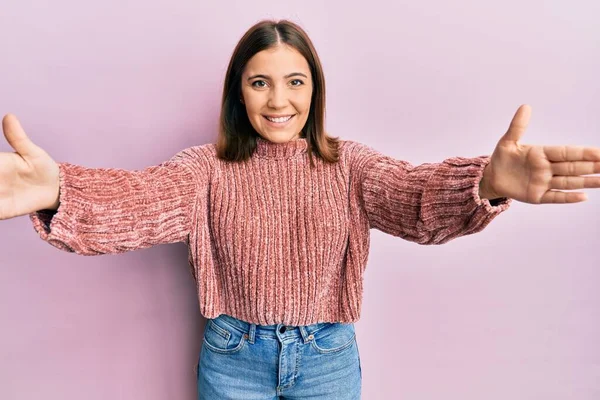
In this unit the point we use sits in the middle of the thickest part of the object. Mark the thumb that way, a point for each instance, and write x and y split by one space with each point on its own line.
17 138
518 125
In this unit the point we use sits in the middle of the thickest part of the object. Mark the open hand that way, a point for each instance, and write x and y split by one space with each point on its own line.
538 174
29 177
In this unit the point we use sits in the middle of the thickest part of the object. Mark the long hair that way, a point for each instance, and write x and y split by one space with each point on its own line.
237 136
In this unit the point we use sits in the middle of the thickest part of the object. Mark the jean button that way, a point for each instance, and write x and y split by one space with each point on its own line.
282 329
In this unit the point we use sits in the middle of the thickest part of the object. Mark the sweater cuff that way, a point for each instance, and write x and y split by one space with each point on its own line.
468 173
53 226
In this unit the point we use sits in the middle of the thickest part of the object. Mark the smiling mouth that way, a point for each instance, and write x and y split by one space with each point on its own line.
279 120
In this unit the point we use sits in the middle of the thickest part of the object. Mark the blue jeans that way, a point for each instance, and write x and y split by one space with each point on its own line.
245 361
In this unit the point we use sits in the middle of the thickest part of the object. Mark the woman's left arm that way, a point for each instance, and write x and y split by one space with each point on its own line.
435 203
430 203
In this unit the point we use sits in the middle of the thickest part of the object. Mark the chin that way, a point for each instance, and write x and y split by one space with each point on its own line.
280 137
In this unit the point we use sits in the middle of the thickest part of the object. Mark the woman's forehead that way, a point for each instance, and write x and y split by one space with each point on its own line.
277 62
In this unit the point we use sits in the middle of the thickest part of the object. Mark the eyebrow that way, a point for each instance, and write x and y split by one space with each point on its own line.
268 77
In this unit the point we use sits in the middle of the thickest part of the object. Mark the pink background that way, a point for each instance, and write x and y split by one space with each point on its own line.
509 313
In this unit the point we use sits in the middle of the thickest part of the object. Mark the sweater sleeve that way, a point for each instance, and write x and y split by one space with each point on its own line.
109 211
431 203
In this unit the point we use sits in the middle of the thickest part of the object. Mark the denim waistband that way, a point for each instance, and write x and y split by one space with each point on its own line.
272 331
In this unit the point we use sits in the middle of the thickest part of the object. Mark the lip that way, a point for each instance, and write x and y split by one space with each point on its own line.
278 124
277 115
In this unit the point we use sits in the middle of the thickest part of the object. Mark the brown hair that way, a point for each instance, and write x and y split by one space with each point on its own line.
237 137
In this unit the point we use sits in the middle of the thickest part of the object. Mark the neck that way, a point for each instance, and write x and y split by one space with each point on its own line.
291 148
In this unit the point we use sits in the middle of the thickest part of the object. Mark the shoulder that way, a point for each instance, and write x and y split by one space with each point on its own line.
352 151
206 153
198 159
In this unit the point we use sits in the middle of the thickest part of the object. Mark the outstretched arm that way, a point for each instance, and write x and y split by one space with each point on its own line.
108 211
97 211
428 204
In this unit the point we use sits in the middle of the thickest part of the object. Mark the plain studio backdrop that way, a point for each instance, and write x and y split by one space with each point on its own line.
508 313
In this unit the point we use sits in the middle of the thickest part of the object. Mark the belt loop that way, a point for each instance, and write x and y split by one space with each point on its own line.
304 333
251 333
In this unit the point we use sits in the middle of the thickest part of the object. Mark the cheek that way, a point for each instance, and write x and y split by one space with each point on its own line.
305 109
302 104
307 101
253 110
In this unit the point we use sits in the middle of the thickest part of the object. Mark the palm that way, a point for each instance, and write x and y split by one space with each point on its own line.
538 174
28 177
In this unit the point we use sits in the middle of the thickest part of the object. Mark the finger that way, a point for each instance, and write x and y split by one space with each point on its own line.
574 182
575 168
572 153
558 197
17 138
519 124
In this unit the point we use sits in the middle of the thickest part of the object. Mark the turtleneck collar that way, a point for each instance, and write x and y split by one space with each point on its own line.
268 149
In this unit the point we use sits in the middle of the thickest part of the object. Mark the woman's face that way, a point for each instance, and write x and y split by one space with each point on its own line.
276 83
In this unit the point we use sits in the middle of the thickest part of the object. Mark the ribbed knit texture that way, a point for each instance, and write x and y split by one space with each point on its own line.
271 240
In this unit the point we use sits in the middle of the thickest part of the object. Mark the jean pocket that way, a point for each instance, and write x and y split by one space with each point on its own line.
221 338
333 338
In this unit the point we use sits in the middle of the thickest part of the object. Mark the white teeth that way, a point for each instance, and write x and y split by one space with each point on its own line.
281 119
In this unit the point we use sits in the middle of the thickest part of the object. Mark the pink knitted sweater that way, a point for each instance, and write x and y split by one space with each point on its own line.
271 240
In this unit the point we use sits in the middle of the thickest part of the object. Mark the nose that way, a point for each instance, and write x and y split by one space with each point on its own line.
277 97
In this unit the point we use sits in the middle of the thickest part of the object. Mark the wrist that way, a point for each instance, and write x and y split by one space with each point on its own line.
485 190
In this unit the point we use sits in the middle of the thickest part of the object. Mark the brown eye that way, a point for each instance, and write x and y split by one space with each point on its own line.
297 80
259 86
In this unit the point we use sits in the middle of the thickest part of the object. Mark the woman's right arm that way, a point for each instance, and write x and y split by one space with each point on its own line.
93 211
109 211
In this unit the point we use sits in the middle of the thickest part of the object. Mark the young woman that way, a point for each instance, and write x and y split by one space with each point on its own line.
277 215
